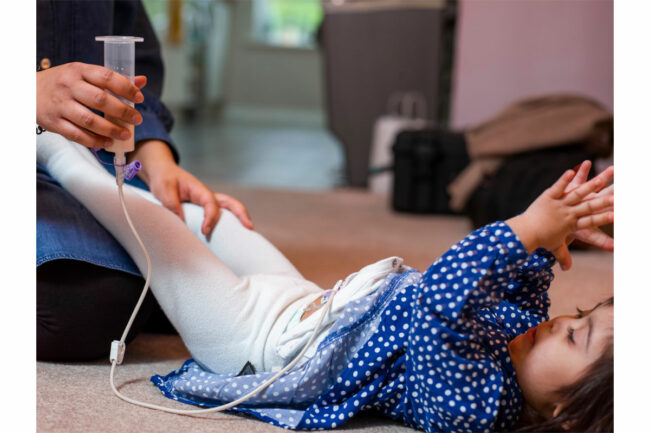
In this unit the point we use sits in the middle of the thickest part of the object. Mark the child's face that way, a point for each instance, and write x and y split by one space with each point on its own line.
555 353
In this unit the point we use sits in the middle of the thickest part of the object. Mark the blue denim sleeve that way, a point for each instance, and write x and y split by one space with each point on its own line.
130 18
156 123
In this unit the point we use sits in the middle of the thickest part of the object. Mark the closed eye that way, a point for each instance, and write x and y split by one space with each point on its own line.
570 332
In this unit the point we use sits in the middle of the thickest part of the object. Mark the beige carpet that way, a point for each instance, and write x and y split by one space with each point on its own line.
327 235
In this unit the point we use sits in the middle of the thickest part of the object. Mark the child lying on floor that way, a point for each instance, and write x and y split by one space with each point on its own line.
462 347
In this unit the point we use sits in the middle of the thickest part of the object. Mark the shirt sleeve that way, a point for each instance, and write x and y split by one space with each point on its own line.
454 378
528 290
473 274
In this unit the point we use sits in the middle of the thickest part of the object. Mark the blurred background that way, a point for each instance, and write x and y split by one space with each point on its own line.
289 93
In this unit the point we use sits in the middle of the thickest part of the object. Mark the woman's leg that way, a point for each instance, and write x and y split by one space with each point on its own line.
81 307
223 319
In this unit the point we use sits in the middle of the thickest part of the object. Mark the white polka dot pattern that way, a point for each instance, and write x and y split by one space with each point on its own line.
430 350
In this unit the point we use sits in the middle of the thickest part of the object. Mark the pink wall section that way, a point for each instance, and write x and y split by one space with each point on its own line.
510 49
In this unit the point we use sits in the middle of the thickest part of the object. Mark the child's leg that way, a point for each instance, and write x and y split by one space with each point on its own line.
223 319
243 251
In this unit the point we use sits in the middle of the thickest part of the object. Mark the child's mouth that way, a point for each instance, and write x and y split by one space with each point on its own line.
531 334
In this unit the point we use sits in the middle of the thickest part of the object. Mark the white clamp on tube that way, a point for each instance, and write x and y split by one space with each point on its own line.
119 56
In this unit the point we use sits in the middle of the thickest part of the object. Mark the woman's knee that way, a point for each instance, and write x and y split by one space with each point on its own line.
81 308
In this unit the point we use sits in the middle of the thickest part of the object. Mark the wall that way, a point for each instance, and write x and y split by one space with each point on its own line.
509 49
270 83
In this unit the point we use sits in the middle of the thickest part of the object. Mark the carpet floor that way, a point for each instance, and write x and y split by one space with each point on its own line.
327 235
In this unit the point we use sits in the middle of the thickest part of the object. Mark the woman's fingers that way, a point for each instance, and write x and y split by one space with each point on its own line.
211 215
140 81
117 83
236 207
167 193
593 206
86 119
96 98
71 131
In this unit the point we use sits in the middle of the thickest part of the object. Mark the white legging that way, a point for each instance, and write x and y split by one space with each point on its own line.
224 295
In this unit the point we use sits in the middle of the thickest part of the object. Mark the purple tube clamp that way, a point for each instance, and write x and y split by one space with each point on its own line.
131 169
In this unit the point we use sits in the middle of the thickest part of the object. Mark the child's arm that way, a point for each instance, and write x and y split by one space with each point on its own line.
479 270
528 289
446 340
447 344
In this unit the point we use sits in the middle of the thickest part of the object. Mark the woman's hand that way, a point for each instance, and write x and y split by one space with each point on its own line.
173 185
236 207
64 93
554 216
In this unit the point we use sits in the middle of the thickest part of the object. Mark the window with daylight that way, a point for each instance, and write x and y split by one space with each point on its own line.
286 23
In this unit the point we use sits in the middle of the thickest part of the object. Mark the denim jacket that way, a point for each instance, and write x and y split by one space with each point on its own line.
65 32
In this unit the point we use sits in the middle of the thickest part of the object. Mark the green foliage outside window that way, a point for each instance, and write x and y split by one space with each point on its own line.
290 22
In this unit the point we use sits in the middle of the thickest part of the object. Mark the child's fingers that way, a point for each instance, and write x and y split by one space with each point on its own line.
584 190
596 237
607 191
563 257
603 192
580 177
557 189
596 205
607 174
595 220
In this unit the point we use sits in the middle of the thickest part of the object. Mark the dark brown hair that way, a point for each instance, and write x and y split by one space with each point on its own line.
588 402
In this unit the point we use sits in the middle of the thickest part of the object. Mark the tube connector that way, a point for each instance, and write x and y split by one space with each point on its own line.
119 161
132 169
117 351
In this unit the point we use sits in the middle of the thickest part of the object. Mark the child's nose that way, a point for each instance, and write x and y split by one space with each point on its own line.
557 323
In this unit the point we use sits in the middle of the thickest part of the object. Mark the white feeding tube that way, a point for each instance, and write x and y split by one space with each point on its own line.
119 56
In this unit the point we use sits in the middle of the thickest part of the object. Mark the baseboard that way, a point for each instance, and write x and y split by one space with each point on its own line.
314 118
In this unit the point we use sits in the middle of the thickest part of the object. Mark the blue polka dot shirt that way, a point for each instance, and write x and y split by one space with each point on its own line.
428 349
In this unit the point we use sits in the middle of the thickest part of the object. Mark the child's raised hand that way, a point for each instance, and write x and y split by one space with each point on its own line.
554 215
594 235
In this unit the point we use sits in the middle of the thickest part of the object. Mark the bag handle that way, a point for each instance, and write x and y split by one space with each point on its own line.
412 105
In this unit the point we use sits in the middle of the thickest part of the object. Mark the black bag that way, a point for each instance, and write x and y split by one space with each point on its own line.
521 179
425 162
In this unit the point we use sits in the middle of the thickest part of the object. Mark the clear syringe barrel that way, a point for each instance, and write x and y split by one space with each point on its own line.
119 56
